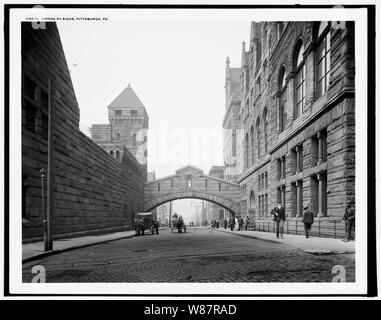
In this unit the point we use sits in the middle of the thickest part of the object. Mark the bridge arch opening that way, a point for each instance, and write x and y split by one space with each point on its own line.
227 204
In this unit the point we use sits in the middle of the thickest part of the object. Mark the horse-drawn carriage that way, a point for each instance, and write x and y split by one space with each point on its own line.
178 223
144 221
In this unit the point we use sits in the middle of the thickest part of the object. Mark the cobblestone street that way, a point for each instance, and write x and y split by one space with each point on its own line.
199 255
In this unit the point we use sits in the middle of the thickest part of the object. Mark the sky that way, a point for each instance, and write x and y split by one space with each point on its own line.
177 68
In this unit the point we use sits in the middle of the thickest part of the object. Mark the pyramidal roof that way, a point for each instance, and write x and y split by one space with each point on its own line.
127 99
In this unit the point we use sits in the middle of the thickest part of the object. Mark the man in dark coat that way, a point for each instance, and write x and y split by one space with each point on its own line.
279 218
349 218
232 223
308 219
225 223
240 223
247 222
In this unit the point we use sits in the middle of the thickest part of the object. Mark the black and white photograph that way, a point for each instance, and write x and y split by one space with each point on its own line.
174 151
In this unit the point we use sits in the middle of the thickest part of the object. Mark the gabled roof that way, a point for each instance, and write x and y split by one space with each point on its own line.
127 99
189 168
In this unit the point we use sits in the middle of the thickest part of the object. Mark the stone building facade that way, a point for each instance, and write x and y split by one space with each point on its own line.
128 126
297 116
92 191
214 211
231 151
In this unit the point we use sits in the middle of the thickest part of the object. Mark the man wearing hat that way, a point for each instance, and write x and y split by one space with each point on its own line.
308 219
279 218
349 218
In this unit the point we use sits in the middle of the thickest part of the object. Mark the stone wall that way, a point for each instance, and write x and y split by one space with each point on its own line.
92 190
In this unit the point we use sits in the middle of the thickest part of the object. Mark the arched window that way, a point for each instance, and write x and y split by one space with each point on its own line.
265 129
247 151
134 139
117 155
258 125
300 80
323 59
282 112
252 144
252 200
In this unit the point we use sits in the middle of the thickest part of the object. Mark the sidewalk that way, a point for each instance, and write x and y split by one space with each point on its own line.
314 245
35 250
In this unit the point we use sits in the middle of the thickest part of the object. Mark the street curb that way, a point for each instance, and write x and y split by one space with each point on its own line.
53 252
314 252
245 235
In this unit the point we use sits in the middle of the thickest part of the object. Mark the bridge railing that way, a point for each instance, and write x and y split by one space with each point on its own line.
334 228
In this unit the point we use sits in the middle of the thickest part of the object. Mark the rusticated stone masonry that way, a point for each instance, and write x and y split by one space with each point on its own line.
93 192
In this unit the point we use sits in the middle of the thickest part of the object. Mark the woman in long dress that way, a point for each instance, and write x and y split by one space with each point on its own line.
236 224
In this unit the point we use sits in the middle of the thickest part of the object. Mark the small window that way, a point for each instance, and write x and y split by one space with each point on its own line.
158 187
134 139
117 155
44 126
118 112
44 101
219 187
30 88
134 112
30 115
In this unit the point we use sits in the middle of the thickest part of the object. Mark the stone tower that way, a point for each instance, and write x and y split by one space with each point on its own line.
128 127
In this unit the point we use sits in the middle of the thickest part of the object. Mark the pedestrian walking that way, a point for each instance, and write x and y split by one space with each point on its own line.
240 223
279 216
225 223
349 218
232 223
247 222
236 225
308 219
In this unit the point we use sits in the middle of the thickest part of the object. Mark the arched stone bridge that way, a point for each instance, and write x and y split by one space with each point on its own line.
190 182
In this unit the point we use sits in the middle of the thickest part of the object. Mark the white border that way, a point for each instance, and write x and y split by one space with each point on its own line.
359 287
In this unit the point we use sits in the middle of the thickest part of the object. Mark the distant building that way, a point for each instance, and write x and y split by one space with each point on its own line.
128 126
231 123
297 114
151 176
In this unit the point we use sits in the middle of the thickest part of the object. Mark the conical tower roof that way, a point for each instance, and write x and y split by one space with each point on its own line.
127 99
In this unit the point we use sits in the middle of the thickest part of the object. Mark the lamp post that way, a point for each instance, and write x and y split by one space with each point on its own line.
44 210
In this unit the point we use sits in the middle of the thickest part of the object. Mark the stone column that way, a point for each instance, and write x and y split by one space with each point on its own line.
320 195
320 148
297 149
299 204
290 98
283 161
282 196
277 97
309 58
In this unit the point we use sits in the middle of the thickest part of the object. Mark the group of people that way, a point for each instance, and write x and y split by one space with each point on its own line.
279 216
236 223
215 223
